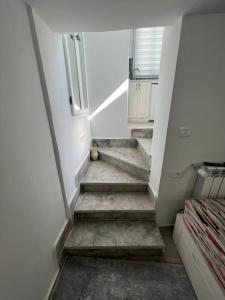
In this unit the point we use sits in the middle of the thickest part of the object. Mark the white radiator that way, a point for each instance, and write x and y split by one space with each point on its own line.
210 182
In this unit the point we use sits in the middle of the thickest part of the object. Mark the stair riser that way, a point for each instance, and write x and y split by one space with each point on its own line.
142 133
120 143
115 215
98 187
145 156
116 253
132 169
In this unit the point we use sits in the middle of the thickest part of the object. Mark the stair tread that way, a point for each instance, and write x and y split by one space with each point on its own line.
114 235
141 125
146 144
129 155
120 201
121 143
99 172
141 132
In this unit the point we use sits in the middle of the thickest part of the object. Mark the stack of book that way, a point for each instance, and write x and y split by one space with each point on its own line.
205 219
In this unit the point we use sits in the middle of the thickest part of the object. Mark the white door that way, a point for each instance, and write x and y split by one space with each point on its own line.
138 101
152 100
132 100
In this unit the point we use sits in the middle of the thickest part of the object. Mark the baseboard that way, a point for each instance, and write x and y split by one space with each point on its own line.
60 240
52 285
58 252
73 201
151 191
64 231
54 282
80 173
154 194
82 169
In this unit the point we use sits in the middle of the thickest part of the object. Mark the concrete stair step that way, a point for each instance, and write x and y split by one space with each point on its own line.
141 132
113 187
127 159
104 177
108 143
115 206
115 239
144 146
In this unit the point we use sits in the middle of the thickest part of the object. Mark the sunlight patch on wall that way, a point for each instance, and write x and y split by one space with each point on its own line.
113 97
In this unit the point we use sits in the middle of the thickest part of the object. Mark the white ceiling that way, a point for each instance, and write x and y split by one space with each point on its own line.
102 15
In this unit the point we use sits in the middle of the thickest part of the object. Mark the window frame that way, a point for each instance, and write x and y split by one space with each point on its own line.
139 77
83 109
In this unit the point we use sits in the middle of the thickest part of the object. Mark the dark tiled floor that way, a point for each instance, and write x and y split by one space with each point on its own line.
104 279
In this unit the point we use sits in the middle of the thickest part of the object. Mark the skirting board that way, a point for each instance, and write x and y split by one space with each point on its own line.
82 169
80 173
60 240
54 282
151 194
152 189
52 285
73 202
58 253
155 197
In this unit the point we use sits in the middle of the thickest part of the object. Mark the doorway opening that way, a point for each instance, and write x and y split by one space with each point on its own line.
144 70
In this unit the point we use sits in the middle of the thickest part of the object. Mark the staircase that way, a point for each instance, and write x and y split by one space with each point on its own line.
115 212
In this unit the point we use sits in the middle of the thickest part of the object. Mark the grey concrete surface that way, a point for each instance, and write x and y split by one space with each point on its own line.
114 235
105 279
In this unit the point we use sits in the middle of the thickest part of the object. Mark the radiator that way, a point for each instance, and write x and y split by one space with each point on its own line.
210 182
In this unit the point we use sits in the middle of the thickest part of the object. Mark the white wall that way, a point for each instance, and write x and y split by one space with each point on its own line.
171 39
198 102
107 61
72 132
31 206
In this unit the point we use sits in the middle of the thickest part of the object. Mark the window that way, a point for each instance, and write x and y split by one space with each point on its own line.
147 45
76 73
